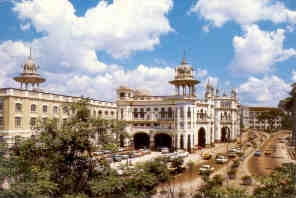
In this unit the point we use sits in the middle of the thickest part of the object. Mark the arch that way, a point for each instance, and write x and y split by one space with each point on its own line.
225 134
163 140
182 142
121 140
141 140
202 137
189 143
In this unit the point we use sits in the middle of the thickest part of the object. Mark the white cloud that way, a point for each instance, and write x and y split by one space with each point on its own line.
294 75
25 27
267 91
67 50
257 51
74 41
103 86
200 73
243 12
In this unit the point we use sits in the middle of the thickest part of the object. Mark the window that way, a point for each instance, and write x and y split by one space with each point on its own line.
122 94
44 120
106 112
18 122
55 109
121 113
44 108
18 107
1 122
100 112
33 122
1 106
65 110
33 108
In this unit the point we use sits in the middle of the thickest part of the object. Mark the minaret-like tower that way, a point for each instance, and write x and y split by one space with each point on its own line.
184 81
30 77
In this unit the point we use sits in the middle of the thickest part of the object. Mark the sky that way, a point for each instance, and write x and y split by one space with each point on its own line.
91 47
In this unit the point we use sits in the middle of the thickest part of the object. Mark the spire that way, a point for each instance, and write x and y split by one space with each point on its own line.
184 61
30 55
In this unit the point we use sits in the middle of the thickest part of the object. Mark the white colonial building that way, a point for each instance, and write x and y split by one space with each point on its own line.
178 121
181 120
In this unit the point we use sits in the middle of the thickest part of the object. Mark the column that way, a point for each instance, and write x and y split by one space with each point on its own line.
185 117
178 118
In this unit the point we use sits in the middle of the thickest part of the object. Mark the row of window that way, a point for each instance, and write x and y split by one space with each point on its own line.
18 121
33 108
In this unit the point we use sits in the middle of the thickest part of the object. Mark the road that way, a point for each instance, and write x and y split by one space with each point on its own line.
264 165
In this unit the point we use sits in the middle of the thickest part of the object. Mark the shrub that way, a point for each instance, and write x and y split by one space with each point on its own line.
247 180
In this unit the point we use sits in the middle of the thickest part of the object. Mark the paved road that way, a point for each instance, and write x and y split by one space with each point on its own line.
264 165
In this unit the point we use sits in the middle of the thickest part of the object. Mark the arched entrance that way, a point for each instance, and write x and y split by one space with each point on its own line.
141 140
162 140
202 137
121 140
225 134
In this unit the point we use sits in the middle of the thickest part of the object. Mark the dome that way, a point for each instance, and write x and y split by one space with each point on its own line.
184 69
30 66
142 92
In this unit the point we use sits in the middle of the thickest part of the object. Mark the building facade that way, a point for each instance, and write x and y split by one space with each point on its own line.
249 118
180 121
177 121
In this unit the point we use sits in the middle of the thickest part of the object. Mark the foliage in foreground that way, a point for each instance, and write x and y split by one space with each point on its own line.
59 163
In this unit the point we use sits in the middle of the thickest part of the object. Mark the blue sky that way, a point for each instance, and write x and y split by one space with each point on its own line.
90 47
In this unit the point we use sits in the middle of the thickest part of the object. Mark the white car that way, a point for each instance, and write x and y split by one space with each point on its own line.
182 153
221 159
206 169
164 150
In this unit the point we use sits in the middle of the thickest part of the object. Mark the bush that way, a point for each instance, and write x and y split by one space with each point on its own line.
247 180
231 174
235 164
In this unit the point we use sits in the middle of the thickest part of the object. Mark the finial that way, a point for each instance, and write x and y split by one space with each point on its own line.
30 56
184 58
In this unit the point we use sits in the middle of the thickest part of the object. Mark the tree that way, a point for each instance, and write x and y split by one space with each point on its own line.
281 183
289 105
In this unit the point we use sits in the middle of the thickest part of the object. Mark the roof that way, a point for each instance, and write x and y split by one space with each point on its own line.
263 108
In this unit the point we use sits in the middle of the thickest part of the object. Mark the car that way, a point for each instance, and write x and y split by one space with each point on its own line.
182 153
164 150
124 156
221 159
267 152
231 154
206 169
97 153
206 156
121 149
107 151
117 158
132 155
257 154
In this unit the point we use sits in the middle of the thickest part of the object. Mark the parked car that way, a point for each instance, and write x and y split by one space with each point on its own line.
117 158
107 151
132 155
97 153
164 150
206 156
221 159
206 169
124 156
257 154
182 153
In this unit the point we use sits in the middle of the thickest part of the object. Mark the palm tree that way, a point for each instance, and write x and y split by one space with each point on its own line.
289 105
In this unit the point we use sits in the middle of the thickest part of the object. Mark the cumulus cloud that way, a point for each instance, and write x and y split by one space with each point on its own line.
267 91
69 47
219 12
74 41
103 86
257 50
294 75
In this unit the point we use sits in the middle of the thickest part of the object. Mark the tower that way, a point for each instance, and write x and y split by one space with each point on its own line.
30 77
184 81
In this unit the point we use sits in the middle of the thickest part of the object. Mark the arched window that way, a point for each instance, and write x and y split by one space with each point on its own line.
18 107
33 108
